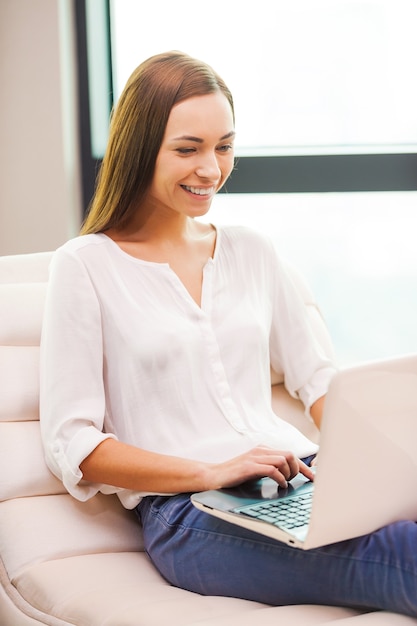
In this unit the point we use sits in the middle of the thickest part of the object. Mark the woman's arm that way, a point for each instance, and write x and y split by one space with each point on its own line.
294 348
71 372
115 463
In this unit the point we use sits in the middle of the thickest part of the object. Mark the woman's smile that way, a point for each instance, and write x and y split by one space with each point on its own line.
200 191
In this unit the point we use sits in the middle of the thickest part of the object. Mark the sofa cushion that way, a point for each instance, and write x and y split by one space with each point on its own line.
21 313
22 268
306 615
125 589
19 390
22 453
34 530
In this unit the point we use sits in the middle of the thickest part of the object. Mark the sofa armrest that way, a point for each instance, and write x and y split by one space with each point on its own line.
292 411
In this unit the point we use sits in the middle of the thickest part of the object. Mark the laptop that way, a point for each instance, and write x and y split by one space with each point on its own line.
366 473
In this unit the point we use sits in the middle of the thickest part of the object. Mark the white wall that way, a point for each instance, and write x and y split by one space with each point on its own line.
40 204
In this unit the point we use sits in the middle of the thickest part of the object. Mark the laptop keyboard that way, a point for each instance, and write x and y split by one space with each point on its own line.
288 513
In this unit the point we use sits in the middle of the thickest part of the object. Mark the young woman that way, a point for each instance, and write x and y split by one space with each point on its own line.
158 339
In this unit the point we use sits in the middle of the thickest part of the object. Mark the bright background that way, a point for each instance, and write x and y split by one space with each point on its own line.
357 251
328 75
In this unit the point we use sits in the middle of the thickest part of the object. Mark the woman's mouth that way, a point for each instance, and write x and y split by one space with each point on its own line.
199 191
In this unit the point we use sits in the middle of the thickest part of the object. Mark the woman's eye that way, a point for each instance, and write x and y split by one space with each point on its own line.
226 148
185 150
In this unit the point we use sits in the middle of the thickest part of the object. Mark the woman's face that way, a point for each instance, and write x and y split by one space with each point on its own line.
196 155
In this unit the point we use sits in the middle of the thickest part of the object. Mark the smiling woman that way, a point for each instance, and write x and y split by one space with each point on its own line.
144 265
159 338
138 130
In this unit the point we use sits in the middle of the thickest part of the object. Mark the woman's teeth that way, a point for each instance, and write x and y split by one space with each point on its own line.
198 190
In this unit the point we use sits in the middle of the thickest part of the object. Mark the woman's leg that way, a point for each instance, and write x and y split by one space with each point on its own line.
201 553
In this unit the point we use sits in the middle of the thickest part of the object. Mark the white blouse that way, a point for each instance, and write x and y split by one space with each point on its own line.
127 353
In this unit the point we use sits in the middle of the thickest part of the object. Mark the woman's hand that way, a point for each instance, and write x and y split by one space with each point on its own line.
280 465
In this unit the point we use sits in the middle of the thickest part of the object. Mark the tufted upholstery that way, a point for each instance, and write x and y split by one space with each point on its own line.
64 562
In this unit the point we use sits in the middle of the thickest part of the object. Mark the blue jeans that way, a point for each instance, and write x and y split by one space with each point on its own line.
198 552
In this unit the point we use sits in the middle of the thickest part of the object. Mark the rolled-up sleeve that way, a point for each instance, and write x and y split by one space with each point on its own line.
294 349
72 401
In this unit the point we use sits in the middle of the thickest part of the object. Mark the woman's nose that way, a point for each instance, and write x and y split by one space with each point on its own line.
208 166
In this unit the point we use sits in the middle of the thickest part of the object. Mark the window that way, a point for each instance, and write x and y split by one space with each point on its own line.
319 77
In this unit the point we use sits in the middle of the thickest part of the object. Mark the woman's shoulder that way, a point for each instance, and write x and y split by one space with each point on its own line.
239 232
79 253
84 249
249 238
79 243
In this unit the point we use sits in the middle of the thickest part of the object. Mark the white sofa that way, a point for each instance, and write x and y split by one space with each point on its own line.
64 562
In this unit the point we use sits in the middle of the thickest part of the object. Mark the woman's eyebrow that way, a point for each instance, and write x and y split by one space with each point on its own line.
199 140
228 135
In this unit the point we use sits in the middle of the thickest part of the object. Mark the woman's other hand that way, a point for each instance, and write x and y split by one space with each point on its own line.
280 465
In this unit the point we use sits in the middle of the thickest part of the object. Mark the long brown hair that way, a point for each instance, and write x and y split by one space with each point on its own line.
137 129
